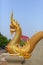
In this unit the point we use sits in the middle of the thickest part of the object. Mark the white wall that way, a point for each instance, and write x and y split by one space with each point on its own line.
37 55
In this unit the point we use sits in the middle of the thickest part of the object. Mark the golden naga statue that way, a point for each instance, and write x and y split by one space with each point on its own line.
14 47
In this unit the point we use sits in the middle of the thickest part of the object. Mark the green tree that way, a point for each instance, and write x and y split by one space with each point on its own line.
3 40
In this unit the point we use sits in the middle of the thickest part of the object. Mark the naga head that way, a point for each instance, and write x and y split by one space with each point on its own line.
14 26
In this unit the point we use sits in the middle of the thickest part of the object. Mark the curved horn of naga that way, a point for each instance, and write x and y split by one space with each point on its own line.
29 46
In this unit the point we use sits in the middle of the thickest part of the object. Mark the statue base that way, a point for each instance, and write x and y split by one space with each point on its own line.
12 59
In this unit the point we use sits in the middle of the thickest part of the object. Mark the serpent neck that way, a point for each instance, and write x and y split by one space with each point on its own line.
35 39
17 37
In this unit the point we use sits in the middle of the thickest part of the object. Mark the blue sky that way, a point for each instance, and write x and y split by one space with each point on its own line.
29 14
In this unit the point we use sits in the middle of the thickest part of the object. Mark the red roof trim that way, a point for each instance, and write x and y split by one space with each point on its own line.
23 37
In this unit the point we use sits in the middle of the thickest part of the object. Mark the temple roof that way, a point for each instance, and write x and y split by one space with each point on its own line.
24 38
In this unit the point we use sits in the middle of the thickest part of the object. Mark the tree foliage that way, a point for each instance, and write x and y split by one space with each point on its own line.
3 40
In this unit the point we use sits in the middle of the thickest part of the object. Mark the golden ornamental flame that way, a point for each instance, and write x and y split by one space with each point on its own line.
14 47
